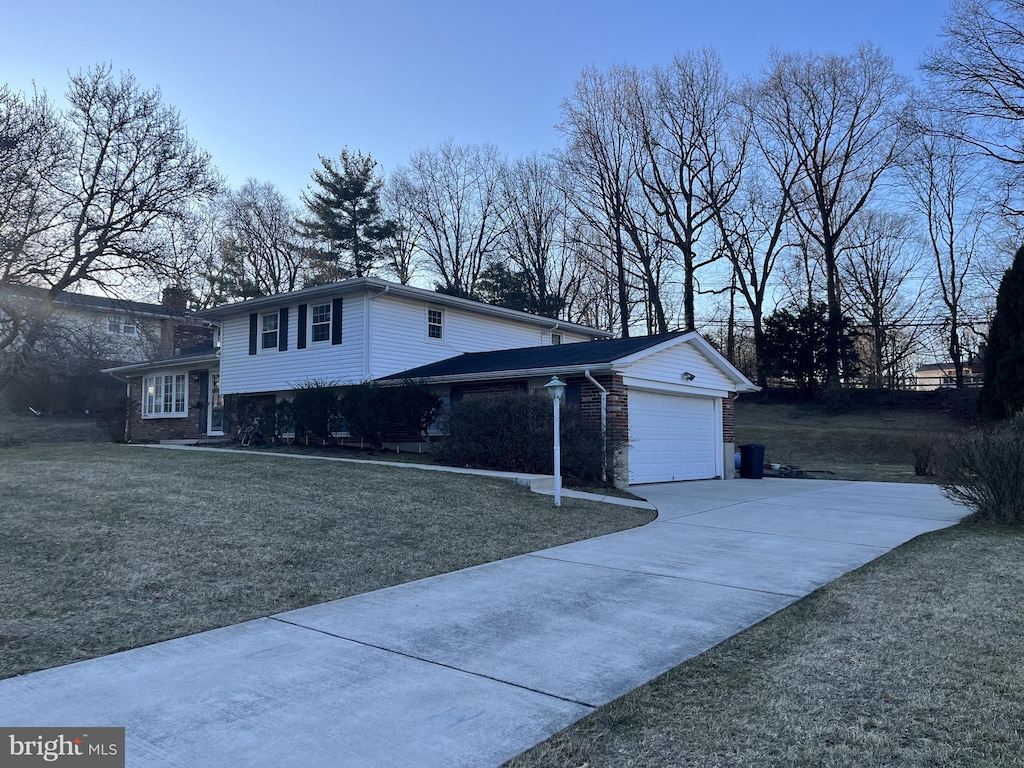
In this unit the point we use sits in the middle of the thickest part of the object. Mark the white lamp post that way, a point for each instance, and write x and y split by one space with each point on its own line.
556 388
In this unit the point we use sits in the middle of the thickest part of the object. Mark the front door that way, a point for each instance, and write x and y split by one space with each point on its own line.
215 417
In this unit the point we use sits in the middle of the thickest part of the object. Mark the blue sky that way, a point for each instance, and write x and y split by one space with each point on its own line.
266 87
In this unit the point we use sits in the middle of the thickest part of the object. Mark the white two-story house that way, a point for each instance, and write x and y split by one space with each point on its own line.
669 396
343 333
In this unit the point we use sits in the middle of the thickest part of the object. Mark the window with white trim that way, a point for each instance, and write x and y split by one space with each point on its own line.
165 395
321 322
556 338
269 326
121 325
435 323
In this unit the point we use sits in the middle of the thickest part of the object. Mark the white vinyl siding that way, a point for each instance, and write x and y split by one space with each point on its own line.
667 367
397 321
282 371
398 341
165 396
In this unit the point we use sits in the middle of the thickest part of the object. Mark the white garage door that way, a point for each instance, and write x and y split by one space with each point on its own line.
671 437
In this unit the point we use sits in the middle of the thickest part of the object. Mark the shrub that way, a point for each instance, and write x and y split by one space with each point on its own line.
416 407
314 408
366 411
370 410
112 418
513 431
984 469
924 459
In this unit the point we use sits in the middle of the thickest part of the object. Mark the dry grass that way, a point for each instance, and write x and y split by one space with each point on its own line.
110 547
868 444
913 660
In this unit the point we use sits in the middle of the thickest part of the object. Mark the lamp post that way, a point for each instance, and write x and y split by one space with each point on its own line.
556 388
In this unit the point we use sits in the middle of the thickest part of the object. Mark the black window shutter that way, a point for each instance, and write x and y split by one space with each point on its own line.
229 401
204 392
336 321
300 342
254 320
282 332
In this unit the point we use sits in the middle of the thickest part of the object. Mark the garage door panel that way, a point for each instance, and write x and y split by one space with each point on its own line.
672 437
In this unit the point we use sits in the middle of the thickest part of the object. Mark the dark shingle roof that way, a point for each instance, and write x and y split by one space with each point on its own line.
551 356
102 303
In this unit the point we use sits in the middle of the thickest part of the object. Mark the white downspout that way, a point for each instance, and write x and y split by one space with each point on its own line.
604 424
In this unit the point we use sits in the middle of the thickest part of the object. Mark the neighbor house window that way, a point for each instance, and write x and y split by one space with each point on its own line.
556 338
120 325
322 322
165 395
435 323
269 334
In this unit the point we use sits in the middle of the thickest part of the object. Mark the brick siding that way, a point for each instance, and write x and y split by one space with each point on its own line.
729 418
142 430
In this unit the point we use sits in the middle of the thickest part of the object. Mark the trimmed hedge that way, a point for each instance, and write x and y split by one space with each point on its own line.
513 431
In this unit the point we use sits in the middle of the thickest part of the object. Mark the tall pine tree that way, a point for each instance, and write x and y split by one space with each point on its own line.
1003 392
345 218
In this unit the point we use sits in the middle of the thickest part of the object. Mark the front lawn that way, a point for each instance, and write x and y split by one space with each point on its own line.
912 660
110 547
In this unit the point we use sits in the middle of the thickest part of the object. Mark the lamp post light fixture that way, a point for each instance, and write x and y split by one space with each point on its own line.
556 388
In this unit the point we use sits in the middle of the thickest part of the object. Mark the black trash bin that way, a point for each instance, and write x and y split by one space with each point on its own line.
752 461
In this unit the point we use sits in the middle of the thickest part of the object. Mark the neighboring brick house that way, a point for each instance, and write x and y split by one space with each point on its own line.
84 334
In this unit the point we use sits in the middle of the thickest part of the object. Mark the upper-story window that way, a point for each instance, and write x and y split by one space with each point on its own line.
321 325
269 331
556 338
435 323
122 325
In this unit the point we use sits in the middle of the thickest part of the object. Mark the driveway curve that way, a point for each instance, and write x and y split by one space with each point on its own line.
472 667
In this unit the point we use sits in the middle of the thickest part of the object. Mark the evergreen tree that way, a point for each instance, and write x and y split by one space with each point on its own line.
796 345
1003 392
345 218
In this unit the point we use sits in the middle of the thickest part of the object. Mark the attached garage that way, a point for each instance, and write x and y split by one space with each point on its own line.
665 401
673 437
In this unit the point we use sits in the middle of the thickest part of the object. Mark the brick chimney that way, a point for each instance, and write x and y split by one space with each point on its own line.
175 298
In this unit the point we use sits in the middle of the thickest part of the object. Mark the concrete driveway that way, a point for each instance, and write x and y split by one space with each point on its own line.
470 668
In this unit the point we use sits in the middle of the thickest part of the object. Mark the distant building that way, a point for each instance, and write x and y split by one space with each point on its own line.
943 376
85 333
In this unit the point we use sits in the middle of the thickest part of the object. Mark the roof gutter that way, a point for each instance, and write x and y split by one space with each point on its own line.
507 374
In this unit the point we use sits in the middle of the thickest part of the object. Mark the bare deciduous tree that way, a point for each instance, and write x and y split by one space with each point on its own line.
124 164
845 119
599 167
945 176
261 251
457 201
402 247
875 266
681 116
